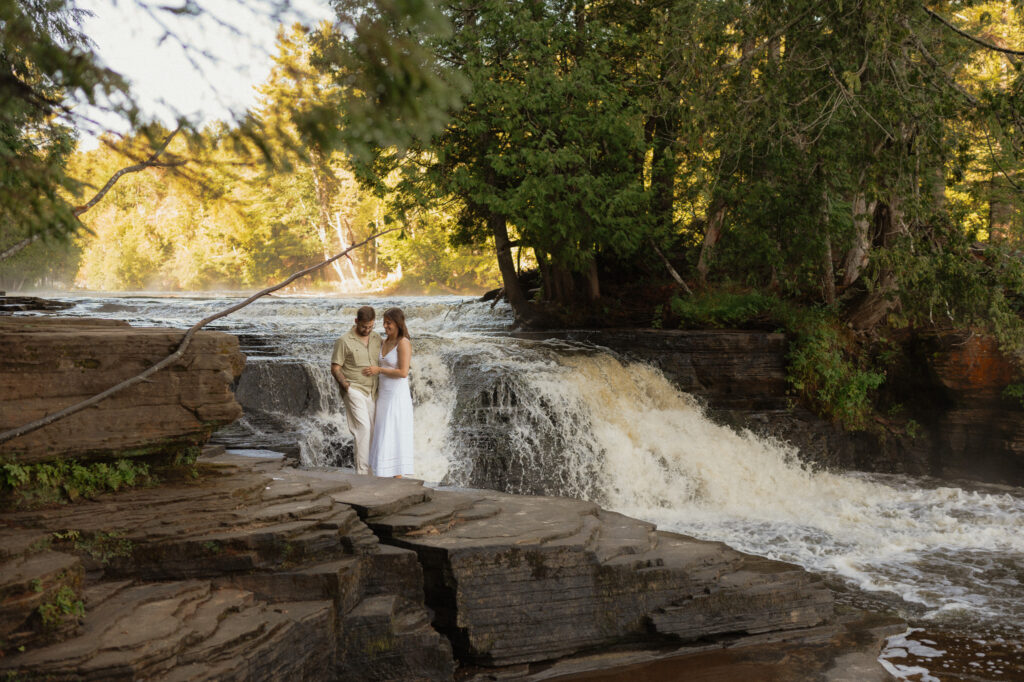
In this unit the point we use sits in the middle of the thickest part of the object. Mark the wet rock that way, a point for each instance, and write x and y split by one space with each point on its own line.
47 364
979 432
17 304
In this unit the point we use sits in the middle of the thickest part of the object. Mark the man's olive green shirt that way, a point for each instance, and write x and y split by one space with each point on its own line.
353 356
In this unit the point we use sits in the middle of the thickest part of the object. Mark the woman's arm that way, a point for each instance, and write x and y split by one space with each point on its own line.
404 358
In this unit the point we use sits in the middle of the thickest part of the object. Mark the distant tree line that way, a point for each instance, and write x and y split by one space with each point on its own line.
861 156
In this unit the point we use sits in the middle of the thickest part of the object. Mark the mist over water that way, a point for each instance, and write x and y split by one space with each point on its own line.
552 417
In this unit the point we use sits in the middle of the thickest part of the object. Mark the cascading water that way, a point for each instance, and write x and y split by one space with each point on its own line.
549 417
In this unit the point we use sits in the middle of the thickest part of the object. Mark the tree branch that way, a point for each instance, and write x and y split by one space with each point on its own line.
19 246
151 162
965 34
671 270
177 354
765 43
148 163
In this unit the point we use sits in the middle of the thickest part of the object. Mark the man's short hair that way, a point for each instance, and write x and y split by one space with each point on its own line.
366 314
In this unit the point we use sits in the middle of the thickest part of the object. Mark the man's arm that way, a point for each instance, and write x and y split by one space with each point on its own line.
339 377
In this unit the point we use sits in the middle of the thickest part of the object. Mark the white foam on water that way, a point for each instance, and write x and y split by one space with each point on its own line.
903 646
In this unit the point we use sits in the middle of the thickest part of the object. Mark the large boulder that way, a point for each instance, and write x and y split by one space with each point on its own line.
47 364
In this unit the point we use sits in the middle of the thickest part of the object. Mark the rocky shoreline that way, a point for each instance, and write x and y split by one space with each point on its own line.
253 569
258 570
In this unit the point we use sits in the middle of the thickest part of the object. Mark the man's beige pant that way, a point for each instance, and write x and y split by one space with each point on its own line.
359 409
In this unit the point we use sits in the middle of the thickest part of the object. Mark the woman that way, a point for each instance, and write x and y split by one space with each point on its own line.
391 448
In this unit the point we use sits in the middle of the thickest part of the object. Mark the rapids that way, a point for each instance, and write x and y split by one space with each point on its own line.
551 417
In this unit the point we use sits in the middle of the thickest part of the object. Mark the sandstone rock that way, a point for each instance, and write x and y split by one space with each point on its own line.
16 304
47 364
31 583
979 433
519 579
253 572
186 631
260 571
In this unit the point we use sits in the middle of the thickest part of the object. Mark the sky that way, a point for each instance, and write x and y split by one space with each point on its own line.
214 80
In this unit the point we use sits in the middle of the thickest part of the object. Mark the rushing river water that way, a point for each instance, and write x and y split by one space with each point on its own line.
529 416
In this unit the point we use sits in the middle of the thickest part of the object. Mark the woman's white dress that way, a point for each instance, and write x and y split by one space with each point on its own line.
391 447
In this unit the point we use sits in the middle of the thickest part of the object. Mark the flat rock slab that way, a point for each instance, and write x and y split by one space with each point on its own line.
47 364
843 651
252 572
281 558
514 579
187 630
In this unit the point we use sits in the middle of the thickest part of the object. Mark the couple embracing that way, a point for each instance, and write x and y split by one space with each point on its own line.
373 374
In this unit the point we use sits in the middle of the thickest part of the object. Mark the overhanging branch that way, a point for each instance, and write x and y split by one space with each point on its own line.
975 39
177 354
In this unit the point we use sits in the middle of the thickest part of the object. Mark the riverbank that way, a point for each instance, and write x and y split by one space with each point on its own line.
563 417
257 570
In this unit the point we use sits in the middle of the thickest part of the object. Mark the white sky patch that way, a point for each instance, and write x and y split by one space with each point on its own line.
229 54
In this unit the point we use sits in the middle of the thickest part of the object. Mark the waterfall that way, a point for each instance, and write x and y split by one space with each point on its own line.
588 424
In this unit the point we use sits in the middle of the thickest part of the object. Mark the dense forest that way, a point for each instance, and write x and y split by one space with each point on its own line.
837 169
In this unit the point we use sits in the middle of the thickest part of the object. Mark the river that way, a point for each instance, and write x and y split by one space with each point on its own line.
552 417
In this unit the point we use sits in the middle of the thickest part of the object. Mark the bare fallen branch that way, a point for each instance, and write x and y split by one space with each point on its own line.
672 271
177 354
19 246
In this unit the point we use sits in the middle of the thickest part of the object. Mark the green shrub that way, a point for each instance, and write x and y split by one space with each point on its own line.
723 309
65 603
24 485
1015 391
823 363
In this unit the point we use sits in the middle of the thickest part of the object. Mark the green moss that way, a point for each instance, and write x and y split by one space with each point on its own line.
65 603
381 645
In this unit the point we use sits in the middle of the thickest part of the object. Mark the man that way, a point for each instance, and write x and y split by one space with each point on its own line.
353 352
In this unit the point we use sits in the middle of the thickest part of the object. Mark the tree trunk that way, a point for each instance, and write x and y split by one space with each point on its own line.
547 285
857 256
938 190
565 286
323 205
879 302
712 233
828 276
1000 220
341 245
510 279
593 282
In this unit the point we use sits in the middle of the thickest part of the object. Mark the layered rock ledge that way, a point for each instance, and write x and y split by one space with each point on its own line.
47 364
258 570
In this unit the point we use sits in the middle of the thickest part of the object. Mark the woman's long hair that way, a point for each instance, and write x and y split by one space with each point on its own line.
398 317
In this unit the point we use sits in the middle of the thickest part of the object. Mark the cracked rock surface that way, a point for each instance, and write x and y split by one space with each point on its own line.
260 571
